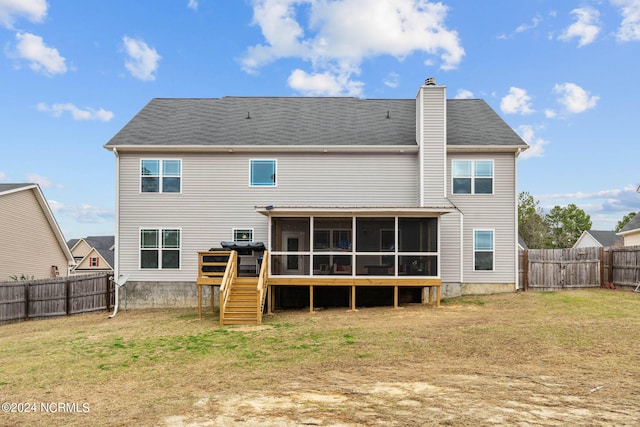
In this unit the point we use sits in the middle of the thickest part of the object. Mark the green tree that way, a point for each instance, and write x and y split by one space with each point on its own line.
566 225
625 220
531 221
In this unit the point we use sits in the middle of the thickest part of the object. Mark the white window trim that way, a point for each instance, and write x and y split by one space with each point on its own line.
473 177
275 183
160 189
159 229
493 250
249 229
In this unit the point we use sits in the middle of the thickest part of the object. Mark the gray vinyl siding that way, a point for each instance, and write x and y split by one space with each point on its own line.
29 245
216 197
450 247
433 140
489 212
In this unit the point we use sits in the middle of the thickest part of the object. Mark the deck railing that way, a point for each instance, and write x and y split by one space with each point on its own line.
262 285
230 274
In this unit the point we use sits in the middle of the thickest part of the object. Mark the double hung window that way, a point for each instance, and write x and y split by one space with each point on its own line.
160 176
159 248
472 176
483 254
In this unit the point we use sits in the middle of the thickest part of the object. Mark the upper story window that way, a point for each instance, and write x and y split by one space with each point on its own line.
483 258
94 262
159 248
160 176
472 176
262 173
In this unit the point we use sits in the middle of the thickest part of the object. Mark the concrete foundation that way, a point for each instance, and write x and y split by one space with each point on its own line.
164 295
453 290
185 294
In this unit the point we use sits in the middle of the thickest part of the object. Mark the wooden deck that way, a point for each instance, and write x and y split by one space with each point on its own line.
213 264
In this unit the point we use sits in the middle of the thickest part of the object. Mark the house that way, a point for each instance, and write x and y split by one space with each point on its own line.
32 243
631 232
598 238
353 198
92 254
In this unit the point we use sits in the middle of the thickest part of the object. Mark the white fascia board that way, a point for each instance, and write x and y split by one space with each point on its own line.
486 148
267 148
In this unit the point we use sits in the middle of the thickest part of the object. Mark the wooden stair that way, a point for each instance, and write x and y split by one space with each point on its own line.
242 303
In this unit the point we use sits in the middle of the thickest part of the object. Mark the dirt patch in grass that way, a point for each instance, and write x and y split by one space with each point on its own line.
566 358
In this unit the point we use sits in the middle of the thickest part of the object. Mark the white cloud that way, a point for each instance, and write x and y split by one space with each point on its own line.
392 80
42 181
323 84
630 26
464 94
193 4
82 213
3 177
42 58
142 61
574 98
550 114
33 10
56 110
536 144
336 36
586 28
516 102
534 23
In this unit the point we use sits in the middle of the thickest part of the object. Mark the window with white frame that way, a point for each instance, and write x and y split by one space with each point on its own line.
472 176
483 252
243 235
262 173
160 176
160 248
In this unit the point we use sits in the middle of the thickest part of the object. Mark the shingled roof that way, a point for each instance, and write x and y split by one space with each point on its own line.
296 121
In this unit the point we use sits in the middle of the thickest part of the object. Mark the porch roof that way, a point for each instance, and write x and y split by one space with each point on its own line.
428 211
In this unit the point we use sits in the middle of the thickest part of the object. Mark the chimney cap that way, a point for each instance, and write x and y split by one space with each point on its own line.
430 81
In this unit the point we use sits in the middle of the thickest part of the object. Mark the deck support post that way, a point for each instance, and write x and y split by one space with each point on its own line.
430 294
353 298
395 296
199 302
311 298
269 302
211 293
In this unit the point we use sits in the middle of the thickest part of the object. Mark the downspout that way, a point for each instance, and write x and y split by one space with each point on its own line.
421 147
517 236
116 267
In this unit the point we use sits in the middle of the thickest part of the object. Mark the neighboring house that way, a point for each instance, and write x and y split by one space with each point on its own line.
32 243
344 192
92 254
631 232
598 238
522 245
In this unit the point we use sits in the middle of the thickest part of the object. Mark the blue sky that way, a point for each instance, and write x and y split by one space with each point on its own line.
564 75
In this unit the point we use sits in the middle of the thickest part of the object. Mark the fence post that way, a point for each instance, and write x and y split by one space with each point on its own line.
525 267
26 300
67 287
108 294
602 281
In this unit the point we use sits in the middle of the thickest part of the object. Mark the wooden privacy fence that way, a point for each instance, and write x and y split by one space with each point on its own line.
32 299
541 269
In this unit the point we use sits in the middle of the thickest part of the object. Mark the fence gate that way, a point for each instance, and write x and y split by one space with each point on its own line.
564 268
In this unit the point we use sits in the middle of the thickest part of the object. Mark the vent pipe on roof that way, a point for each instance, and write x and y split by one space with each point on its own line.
430 81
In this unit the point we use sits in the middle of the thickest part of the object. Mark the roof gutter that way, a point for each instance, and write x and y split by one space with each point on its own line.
266 148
